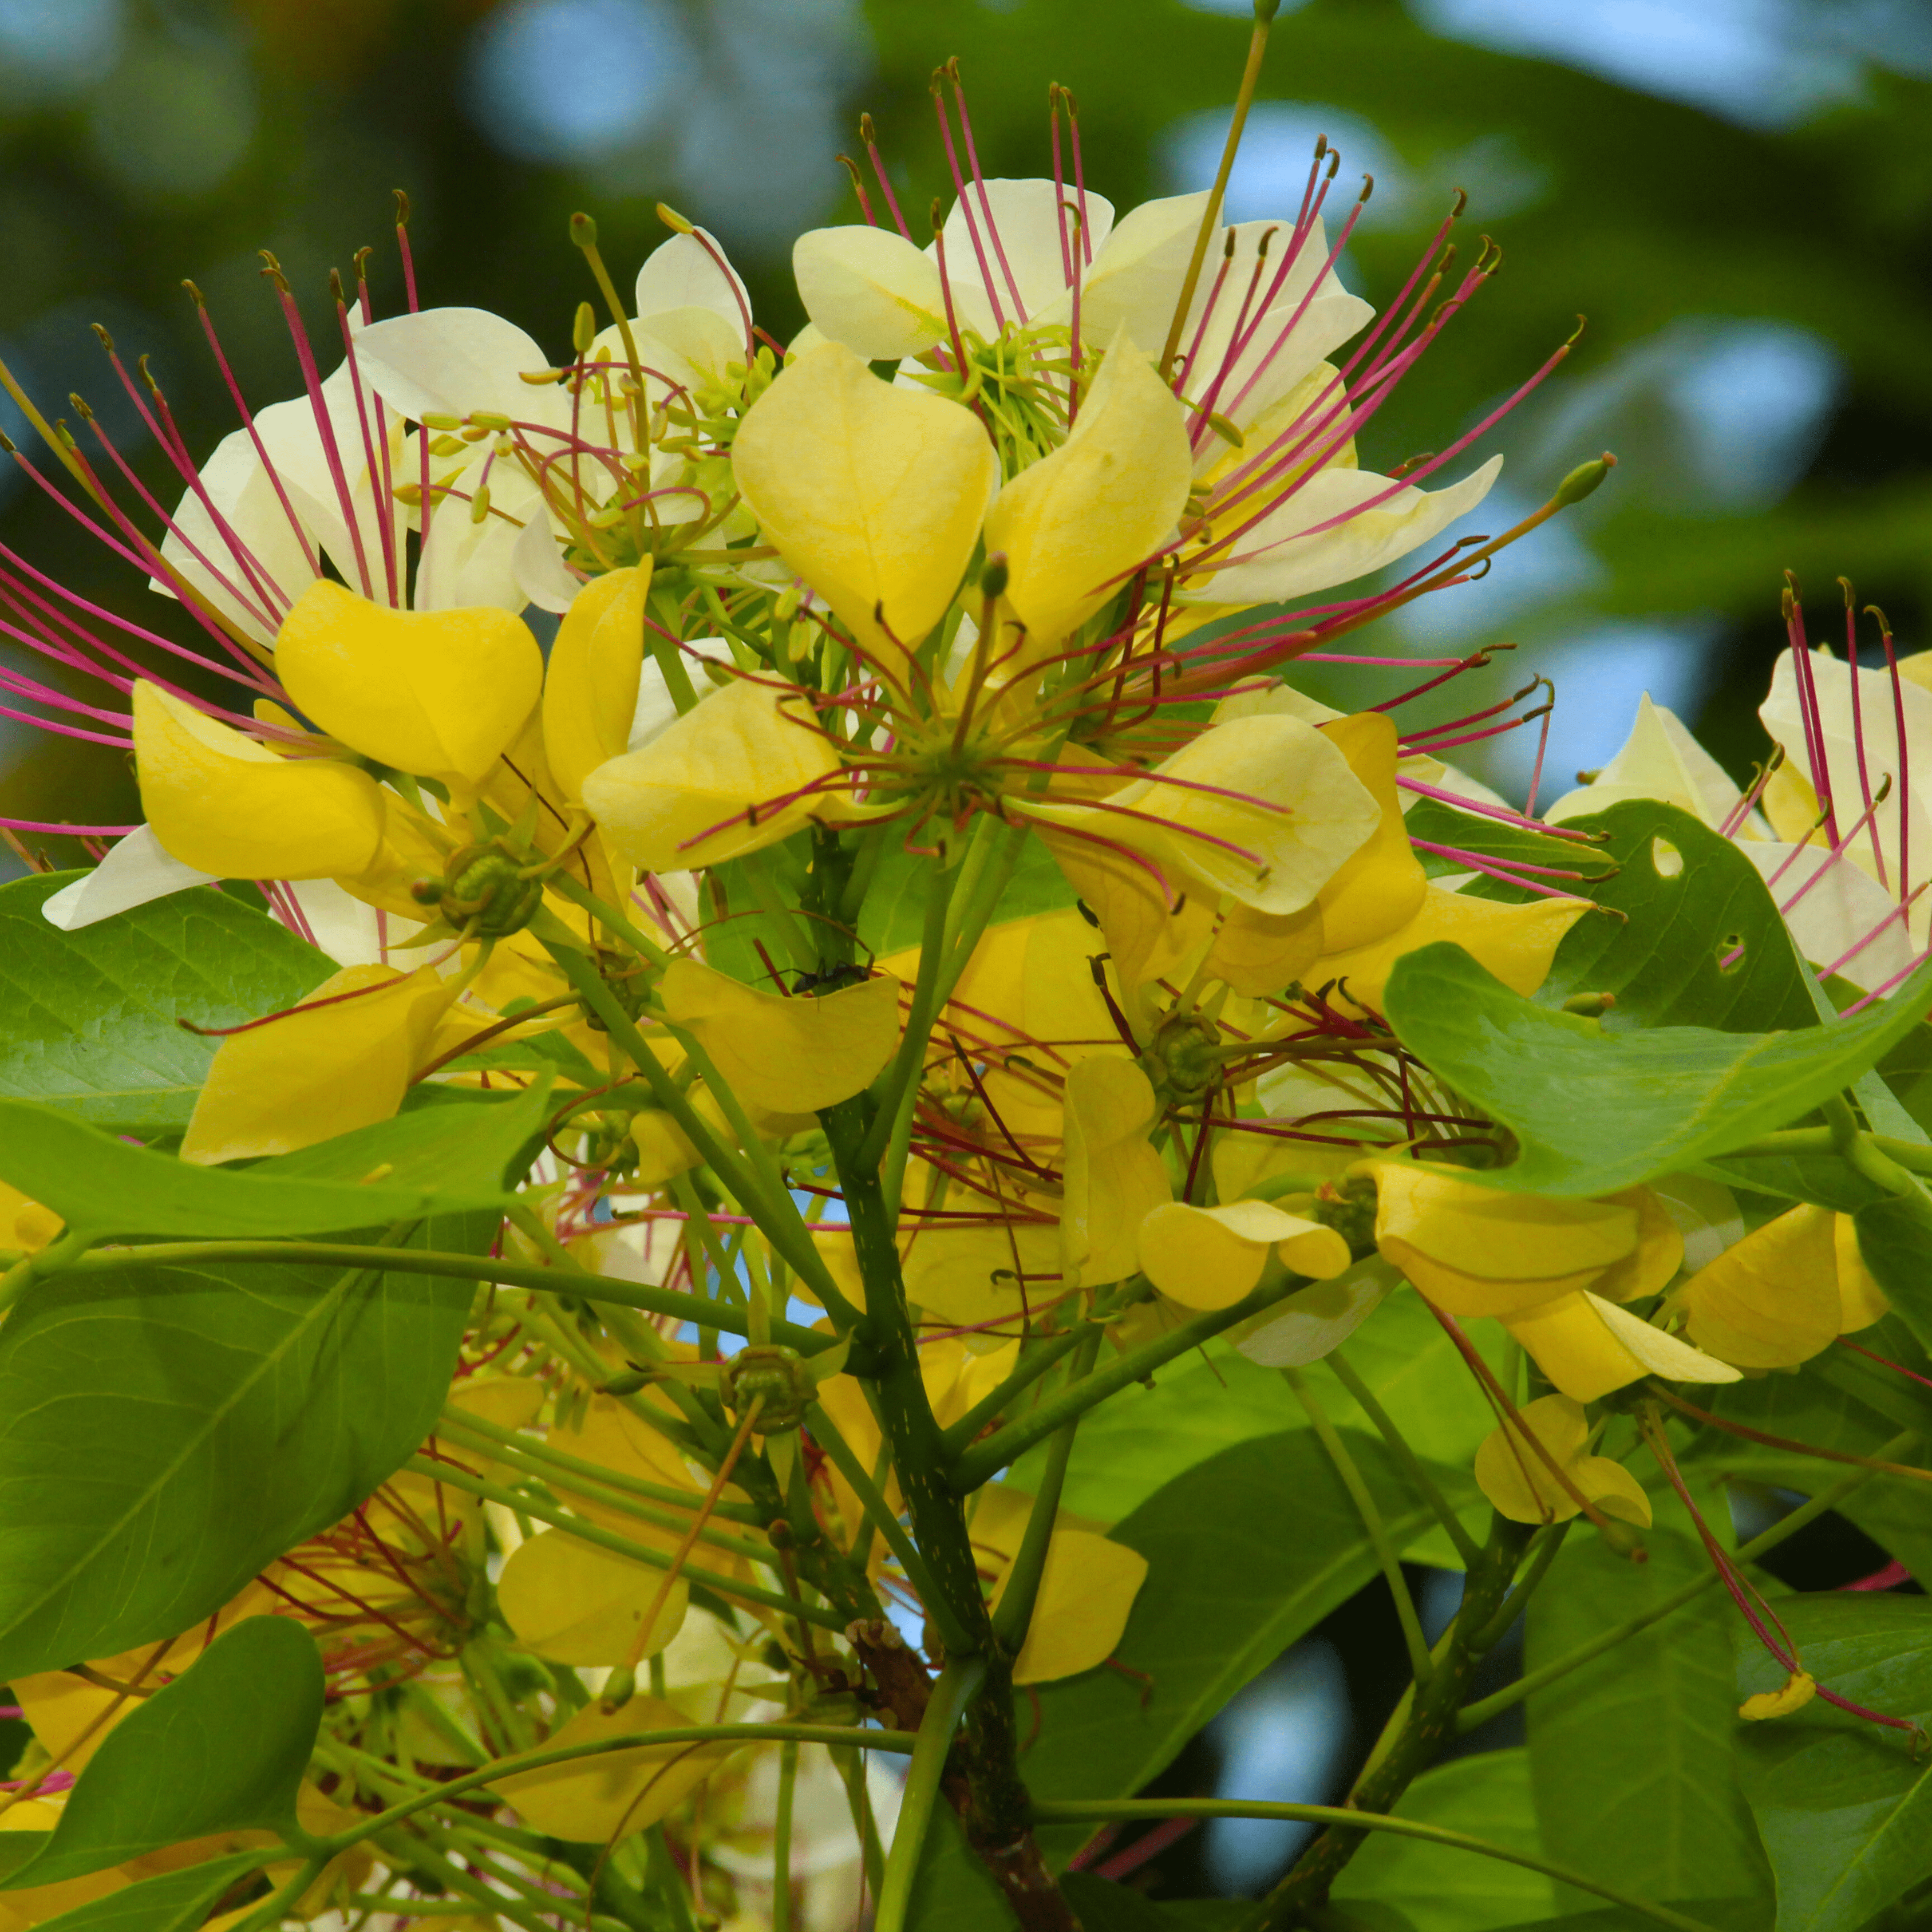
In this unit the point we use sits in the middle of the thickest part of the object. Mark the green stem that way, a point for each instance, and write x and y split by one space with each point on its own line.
458 1422
897 1089
1420 1665
626 929
880 1514
1079 1811
984 1460
615 1499
64 1252
957 1436
464 1268
1012 1614
274 1910
951 1695
619 1545
1534 1681
1369 1404
781 1837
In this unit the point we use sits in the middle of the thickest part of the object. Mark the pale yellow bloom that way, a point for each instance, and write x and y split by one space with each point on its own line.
1518 1482
1113 1178
1209 1257
1588 1346
574 1604
590 682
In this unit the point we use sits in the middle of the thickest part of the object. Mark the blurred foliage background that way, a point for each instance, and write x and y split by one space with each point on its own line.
1736 194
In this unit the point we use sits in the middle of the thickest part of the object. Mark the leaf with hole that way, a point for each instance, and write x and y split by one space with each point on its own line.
1594 1110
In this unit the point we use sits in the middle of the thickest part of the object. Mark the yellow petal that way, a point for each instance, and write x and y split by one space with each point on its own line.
1516 943
1657 1256
24 1223
1442 1223
1519 1483
587 1799
224 803
573 1604
1382 886
340 1059
1793 1694
874 493
1588 1346
968 1275
788 1056
614 1437
1113 1178
1210 1257
590 683
1862 1301
1264 809
1771 1301
1086 1594
721 782
1078 523
435 692
871 289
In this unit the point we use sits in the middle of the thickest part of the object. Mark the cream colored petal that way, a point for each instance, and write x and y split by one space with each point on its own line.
870 289
1076 525
724 780
967 1275
1484 1231
684 273
1136 278
136 871
788 1056
1086 1595
450 361
587 1800
874 493
1298 547
1659 759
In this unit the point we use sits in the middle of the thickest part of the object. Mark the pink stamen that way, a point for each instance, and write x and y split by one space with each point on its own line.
964 202
68 831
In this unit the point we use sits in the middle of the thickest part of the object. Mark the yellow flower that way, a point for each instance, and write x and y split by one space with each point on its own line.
697 795
1793 1694
1553 1271
1476 1250
1086 1592
225 804
1210 1257
438 693
25 1224
340 1059
786 1056
1112 1177
1786 1292
1078 522
873 493
574 1604
1519 1483
590 683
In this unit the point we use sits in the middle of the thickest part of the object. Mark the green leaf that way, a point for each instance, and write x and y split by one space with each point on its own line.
1229 1588
223 1748
1631 1753
894 913
441 1160
1099 1901
1896 1247
1440 1890
1665 959
1430 822
1844 1808
166 1431
175 1901
1205 1402
88 1019
954 1892
1721 1915
1594 1110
